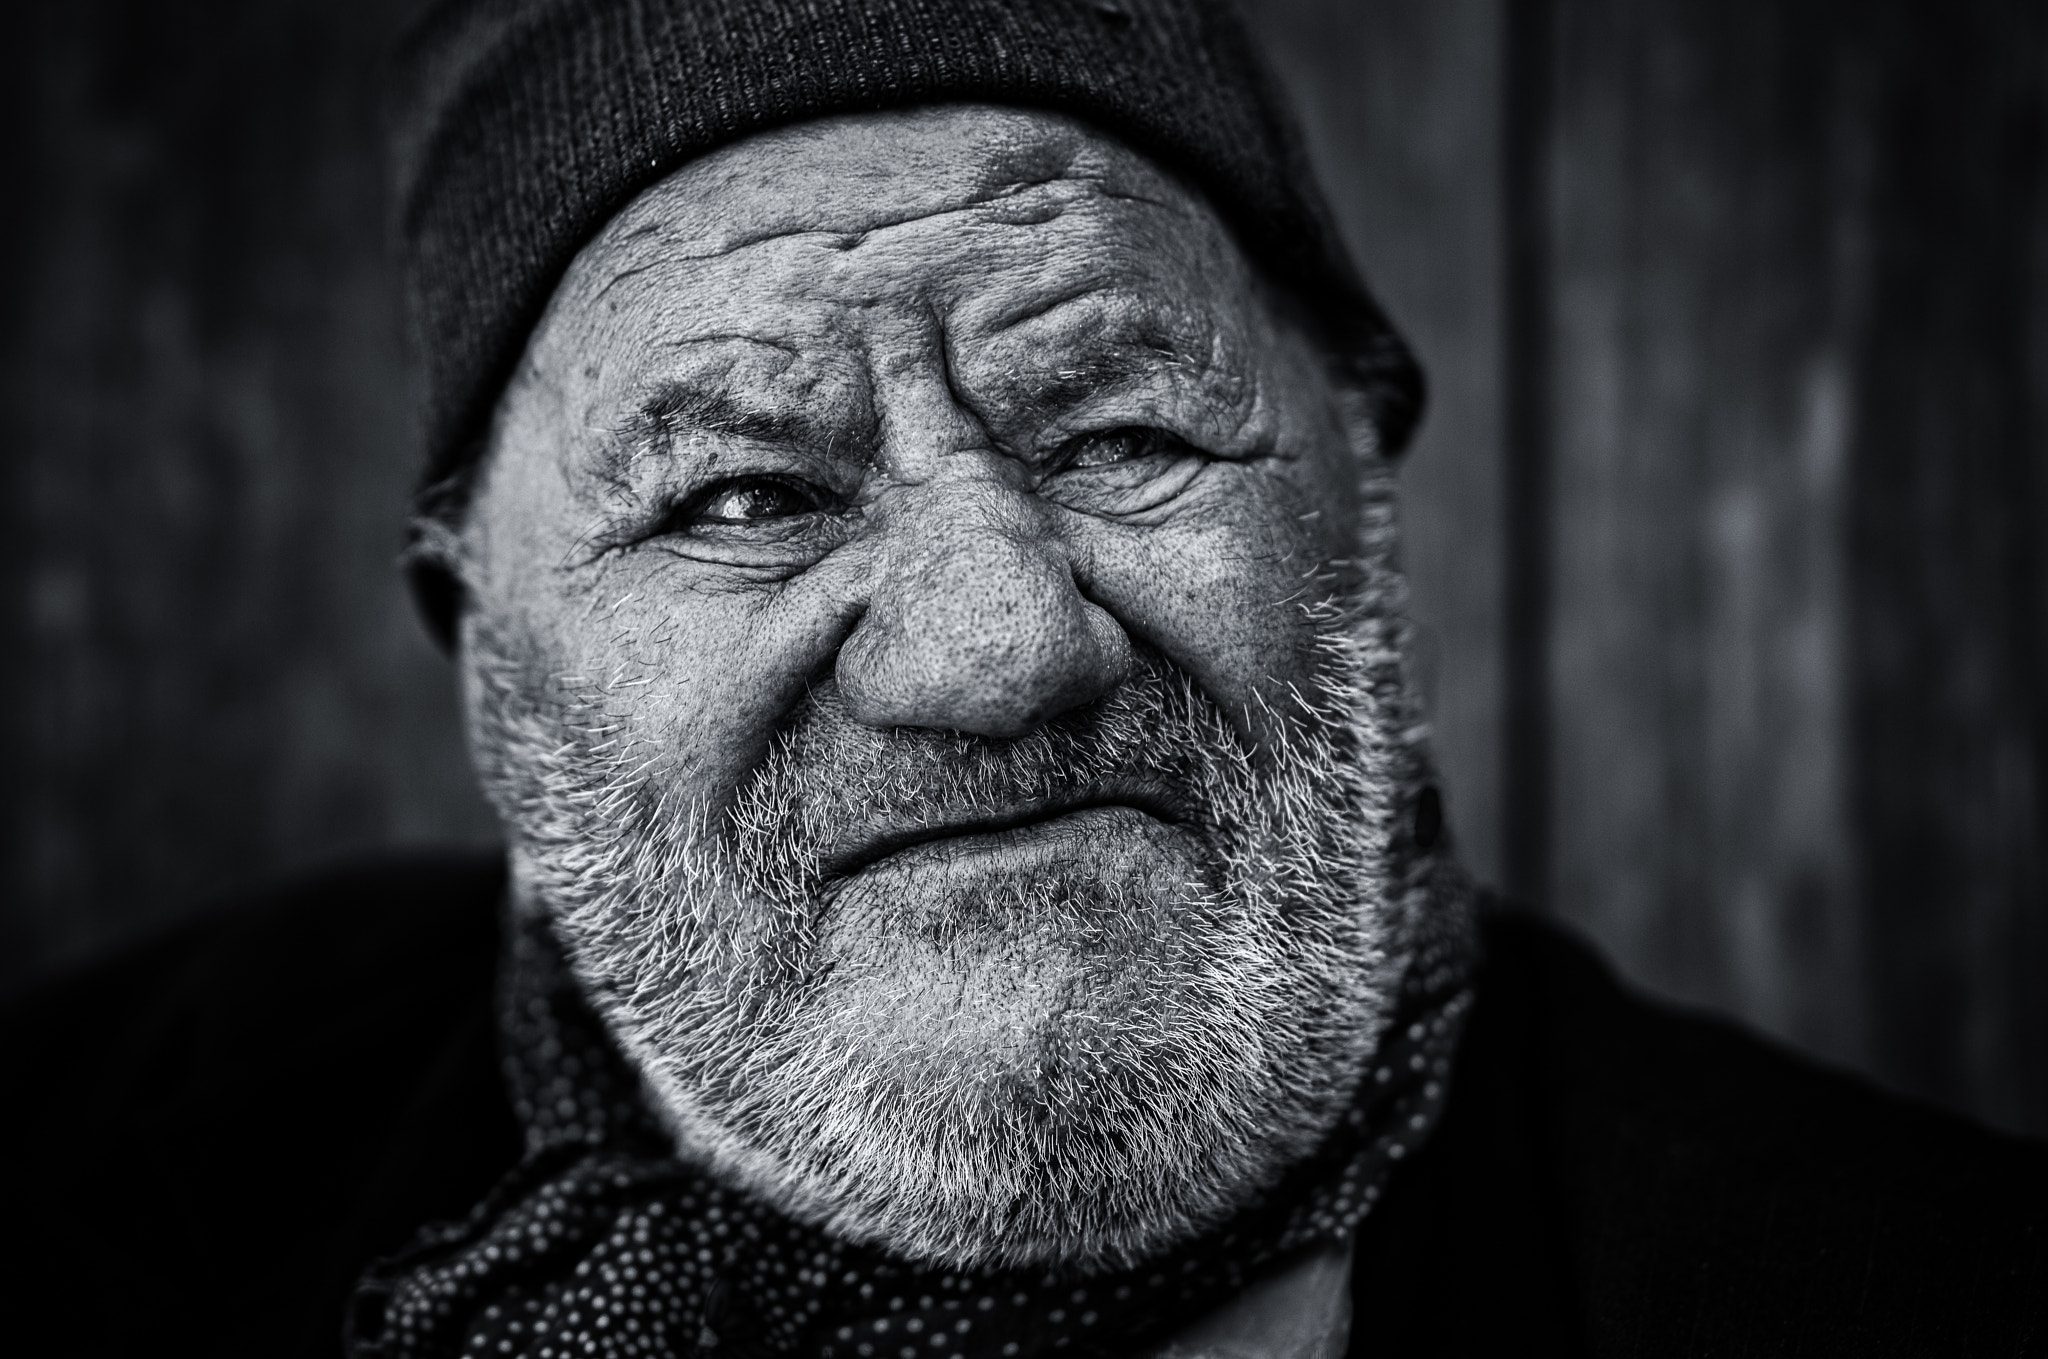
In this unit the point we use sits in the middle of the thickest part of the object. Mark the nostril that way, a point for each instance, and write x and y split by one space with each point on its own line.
976 623
1112 665
1097 661
968 661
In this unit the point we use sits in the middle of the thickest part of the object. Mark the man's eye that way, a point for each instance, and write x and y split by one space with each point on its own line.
752 500
1113 447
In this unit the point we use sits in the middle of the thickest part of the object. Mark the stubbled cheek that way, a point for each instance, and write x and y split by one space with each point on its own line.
1227 591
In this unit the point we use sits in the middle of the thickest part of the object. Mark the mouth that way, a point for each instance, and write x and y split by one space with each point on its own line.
972 824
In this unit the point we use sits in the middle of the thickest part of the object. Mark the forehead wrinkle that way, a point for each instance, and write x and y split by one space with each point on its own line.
645 246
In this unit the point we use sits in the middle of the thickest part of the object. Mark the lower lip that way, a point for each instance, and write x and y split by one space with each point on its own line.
1091 826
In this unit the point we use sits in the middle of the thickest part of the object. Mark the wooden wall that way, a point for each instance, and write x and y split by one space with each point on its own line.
1729 525
1724 528
212 670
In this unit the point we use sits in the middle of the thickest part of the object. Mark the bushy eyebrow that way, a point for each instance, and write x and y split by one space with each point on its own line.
1105 337
1046 394
1078 378
677 407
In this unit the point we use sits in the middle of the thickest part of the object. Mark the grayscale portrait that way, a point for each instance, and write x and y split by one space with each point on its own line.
820 678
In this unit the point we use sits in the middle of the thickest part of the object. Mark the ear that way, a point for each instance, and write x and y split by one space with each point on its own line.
435 563
1359 413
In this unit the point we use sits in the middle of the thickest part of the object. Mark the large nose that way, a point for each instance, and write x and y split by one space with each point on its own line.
975 622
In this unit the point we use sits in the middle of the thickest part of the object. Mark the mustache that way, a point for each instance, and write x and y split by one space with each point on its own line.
833 795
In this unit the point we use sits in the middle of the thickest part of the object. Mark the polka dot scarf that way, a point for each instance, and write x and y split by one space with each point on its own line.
601 1243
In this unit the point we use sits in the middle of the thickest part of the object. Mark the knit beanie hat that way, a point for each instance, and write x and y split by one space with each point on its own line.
517 128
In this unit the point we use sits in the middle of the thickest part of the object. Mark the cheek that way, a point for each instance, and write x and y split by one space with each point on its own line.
693 676
694 685
1225 592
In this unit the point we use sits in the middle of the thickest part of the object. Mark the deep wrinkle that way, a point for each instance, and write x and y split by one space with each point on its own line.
680 406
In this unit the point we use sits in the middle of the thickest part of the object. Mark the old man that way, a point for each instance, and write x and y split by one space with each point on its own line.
912 505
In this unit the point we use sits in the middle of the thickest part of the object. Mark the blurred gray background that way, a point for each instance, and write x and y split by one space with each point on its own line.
1725 528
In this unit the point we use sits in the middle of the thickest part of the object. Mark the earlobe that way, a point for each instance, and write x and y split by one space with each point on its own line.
1358 417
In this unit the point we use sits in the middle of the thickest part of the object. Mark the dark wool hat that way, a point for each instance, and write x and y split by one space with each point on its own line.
517 128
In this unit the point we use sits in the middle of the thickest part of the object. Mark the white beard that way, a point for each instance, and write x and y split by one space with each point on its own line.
1080 1068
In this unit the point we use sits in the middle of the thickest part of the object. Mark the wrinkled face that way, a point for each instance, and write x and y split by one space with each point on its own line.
923 652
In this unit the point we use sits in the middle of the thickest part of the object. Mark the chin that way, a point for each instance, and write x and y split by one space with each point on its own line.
1076 1069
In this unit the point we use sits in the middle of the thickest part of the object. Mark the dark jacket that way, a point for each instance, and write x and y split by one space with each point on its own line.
205 1140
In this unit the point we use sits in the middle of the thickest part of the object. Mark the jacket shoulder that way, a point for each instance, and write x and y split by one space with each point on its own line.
221 1125
1726 1196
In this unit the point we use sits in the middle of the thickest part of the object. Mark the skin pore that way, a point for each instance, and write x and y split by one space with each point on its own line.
920 644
